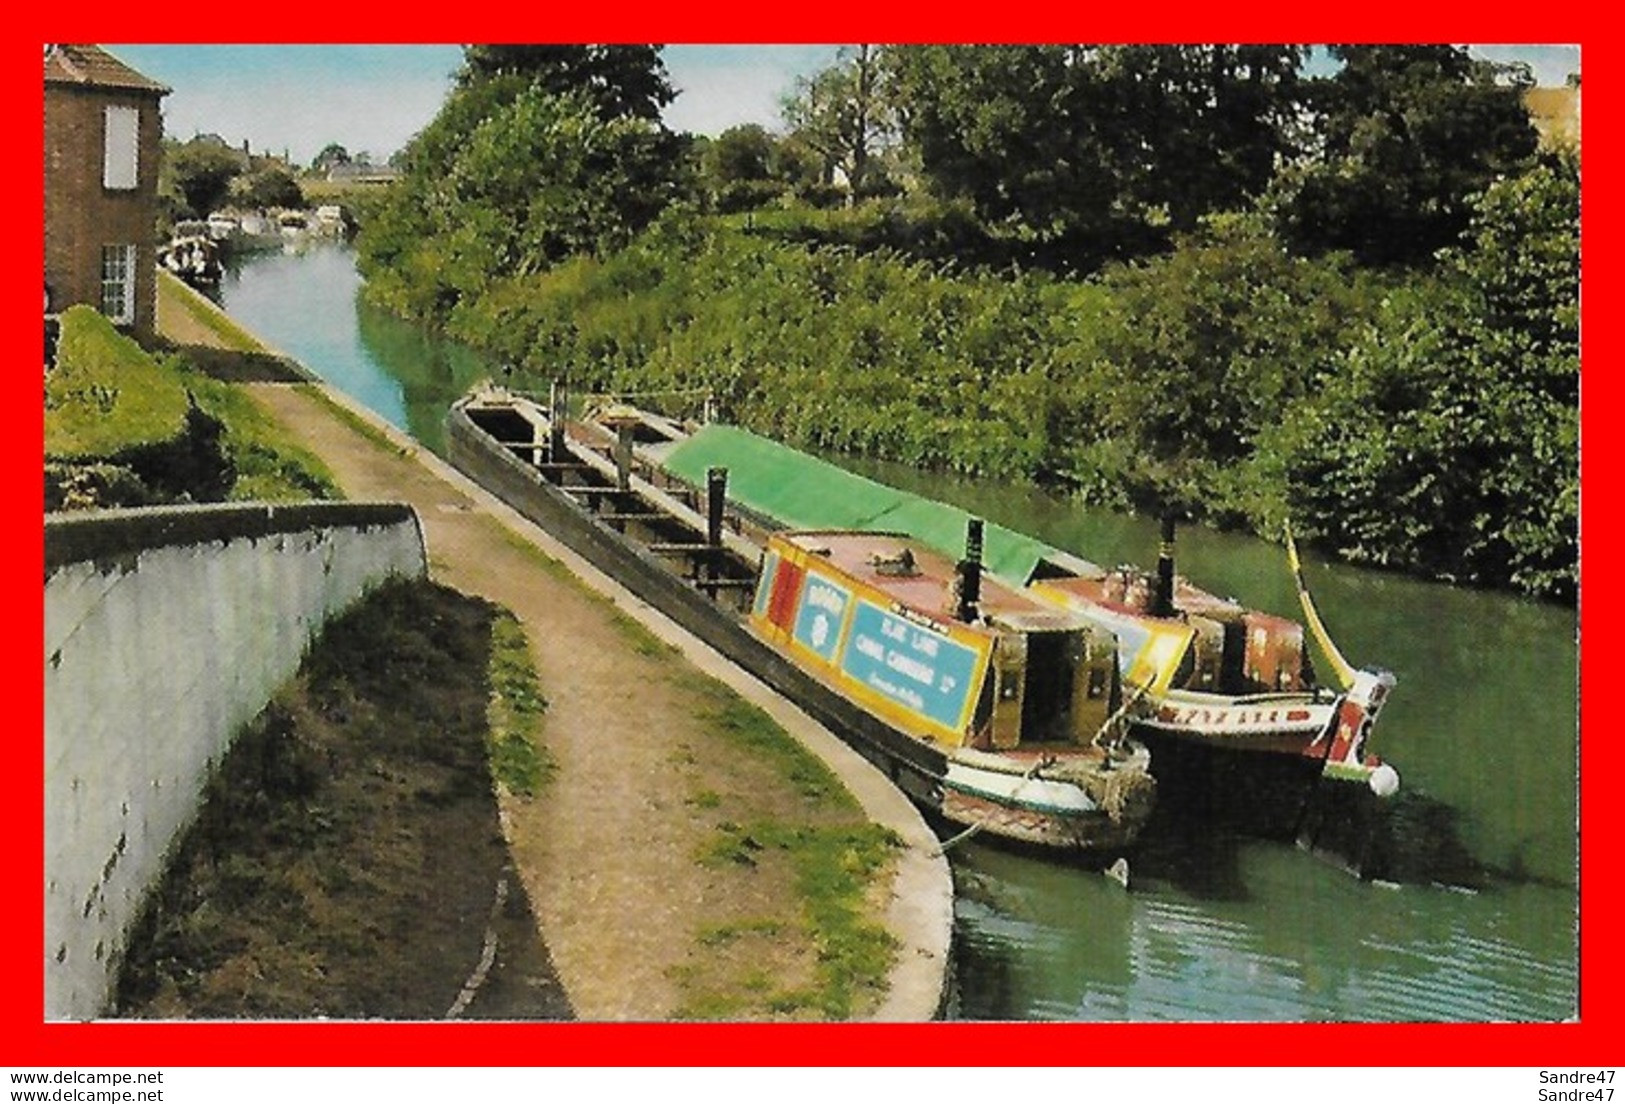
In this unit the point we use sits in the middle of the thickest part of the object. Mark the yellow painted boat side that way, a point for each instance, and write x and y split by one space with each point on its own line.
1151 647
921 674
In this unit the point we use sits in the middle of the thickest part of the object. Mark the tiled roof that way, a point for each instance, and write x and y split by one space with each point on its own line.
94 66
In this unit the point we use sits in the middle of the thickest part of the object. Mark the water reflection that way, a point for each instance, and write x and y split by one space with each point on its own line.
308 303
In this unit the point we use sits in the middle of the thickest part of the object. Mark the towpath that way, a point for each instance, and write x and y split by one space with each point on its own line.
607 853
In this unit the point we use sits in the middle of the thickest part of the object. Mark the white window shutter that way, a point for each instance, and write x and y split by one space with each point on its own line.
119 164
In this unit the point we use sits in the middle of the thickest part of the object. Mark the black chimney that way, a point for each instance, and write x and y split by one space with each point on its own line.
1162 601
970 572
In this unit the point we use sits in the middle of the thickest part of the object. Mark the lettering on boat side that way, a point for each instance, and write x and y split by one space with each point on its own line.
1230 717
928 673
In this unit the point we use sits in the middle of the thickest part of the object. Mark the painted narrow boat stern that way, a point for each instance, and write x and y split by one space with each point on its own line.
1025 700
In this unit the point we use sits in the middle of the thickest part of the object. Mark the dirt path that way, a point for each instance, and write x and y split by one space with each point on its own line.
607 854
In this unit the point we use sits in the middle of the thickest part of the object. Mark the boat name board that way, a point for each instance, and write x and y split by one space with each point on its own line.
916 667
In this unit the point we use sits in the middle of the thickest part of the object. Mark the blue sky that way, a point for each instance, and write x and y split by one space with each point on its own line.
374 98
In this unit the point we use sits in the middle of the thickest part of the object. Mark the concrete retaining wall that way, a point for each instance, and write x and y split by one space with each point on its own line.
165 632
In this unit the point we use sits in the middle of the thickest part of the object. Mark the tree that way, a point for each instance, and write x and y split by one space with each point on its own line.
1449 440
737 167
200 174
843 114
1109 147
508 180
742 152
1406 136
1190 356
331 154
619 81
539 153
272 186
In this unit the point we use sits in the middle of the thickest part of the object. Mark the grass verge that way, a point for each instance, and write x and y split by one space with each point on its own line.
833 858
174 433
518 763
174 296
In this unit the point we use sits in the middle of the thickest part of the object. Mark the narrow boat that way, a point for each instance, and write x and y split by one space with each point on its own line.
1210 672
1239 726
1023 698
992 710
195 258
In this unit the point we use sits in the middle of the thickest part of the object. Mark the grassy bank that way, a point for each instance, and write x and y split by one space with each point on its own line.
180 309
127 427
834 859
1424 420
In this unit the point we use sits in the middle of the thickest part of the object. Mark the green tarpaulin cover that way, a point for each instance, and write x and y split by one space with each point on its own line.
804 492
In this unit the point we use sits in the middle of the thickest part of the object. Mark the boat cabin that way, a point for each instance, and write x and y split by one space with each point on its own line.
1206 643
884 619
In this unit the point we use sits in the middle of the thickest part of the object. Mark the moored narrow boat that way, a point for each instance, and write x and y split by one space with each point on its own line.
983 705
1210 672
1225 696
1023 699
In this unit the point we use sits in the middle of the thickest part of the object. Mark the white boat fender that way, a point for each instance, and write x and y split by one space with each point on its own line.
1384 781
1118 872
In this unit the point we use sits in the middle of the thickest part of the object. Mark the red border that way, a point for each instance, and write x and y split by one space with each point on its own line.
25 1040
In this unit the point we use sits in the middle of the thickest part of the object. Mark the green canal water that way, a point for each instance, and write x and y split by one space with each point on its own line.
1483 728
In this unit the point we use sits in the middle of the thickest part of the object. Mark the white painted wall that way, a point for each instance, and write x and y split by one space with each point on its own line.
154 659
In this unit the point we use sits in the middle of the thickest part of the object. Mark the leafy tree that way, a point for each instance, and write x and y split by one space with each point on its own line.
628 80
742 152
510 179
1105 146
1449 440
844 114
331 154
272 186
737 167
199 173
1406 136
1183 361
1198 129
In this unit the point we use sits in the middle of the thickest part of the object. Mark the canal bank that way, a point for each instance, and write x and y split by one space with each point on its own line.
638 780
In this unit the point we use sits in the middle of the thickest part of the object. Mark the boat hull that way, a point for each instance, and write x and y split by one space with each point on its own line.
1046 812
1286 725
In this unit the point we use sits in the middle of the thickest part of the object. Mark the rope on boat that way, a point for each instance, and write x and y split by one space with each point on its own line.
1117 715
1027 776
1119 791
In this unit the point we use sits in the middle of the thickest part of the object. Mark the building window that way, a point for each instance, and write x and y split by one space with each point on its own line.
118 283
119 151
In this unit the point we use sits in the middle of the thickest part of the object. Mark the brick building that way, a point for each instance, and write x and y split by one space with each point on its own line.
102 137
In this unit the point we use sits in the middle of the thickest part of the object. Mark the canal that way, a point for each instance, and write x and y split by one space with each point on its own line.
1483 728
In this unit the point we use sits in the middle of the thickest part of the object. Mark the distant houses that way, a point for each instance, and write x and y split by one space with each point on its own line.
103 133
360 172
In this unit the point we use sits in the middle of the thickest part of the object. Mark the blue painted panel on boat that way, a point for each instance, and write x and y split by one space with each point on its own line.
910 664
764 584
818 618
